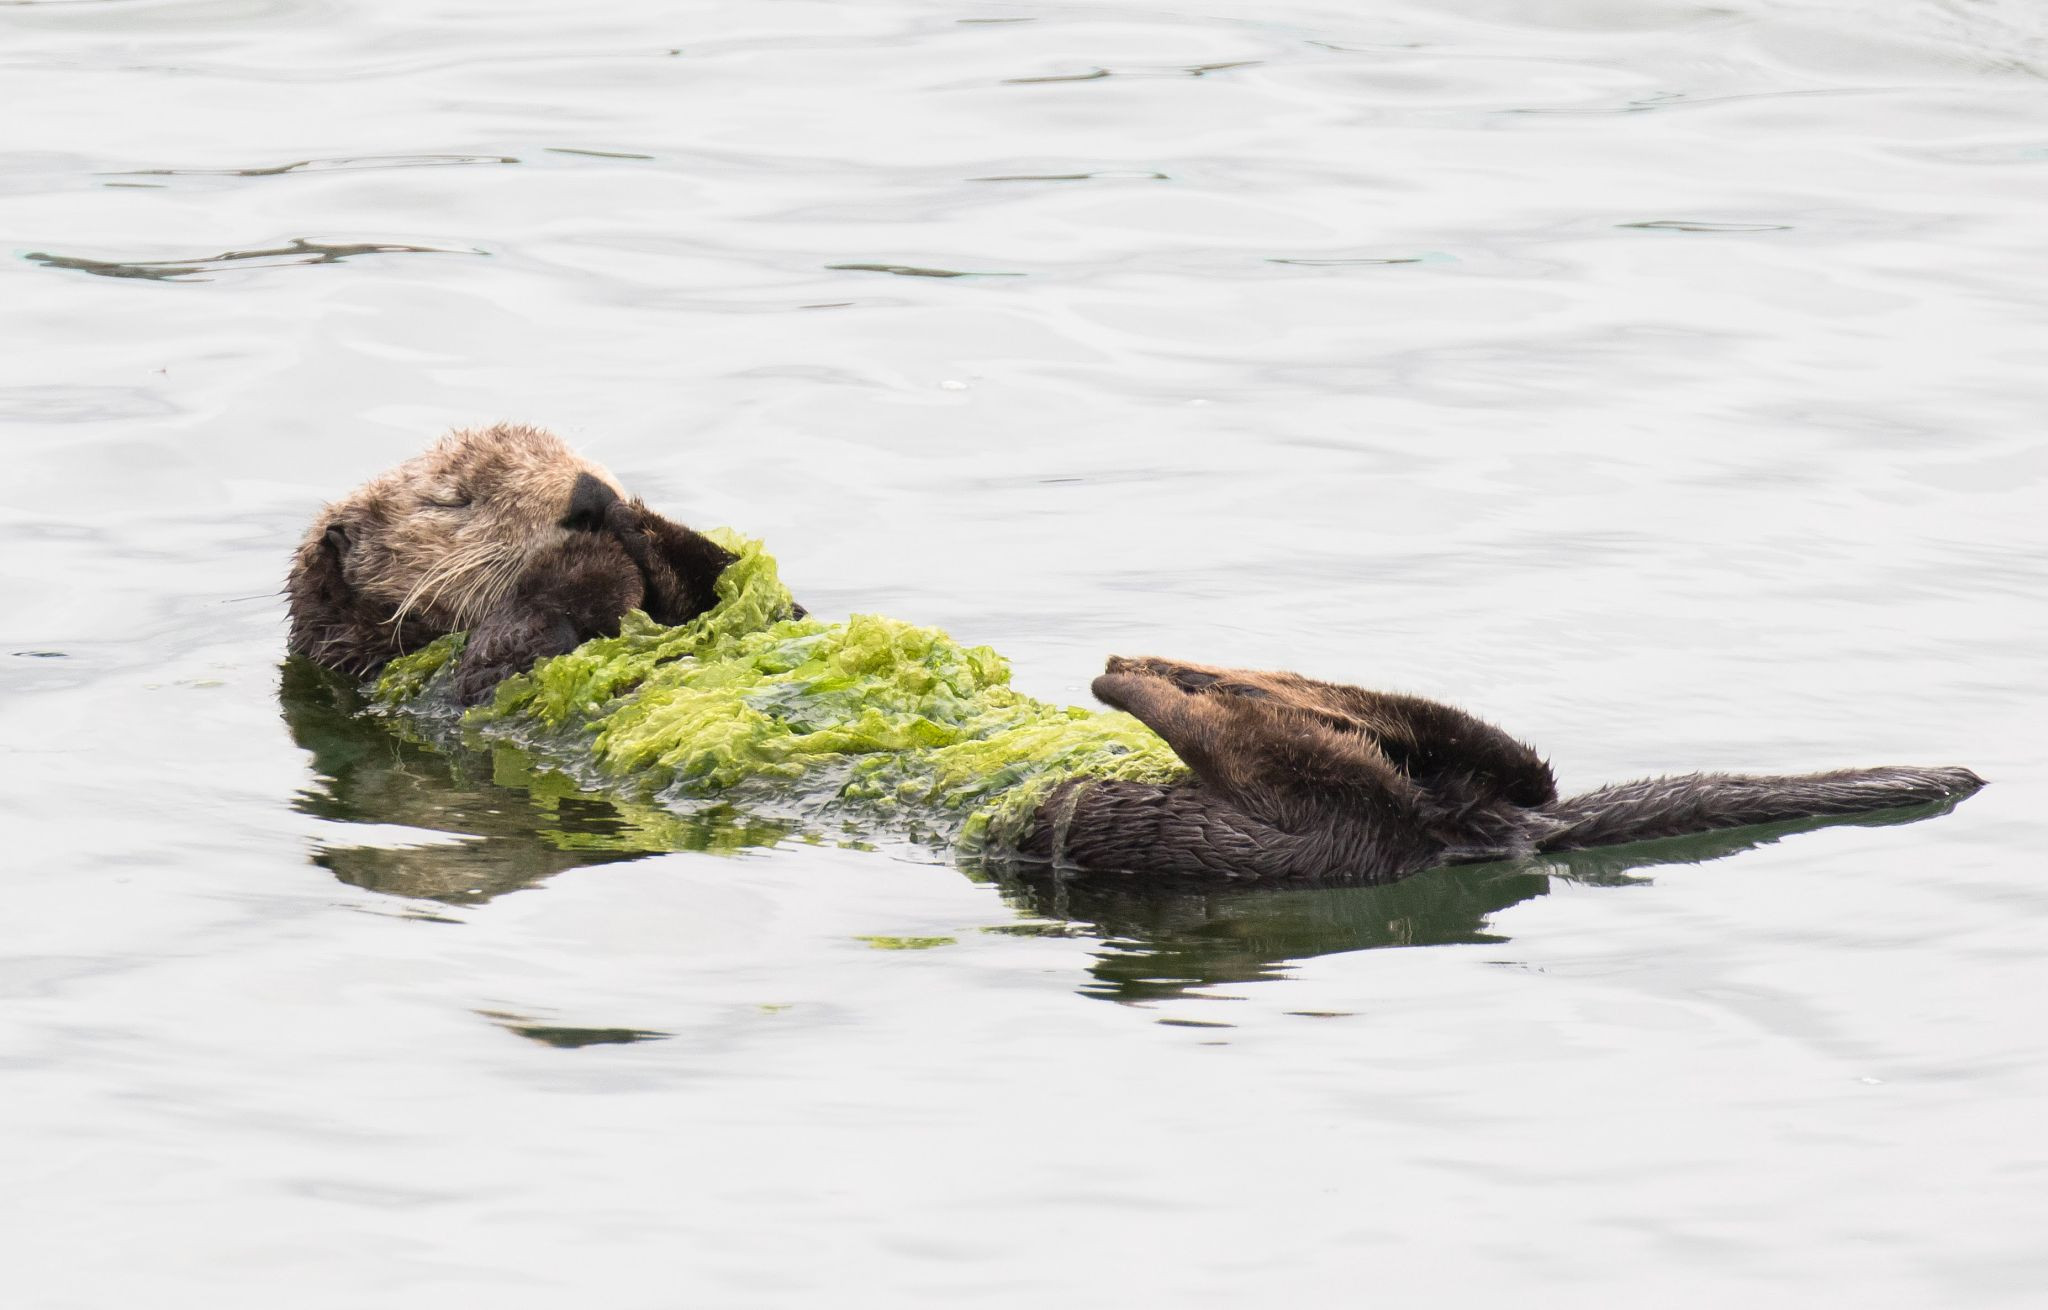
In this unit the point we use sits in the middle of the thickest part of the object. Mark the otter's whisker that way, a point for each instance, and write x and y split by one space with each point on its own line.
490 584
437 580
495 578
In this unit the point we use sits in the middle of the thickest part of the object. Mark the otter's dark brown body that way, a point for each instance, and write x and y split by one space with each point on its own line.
504 533
1297 781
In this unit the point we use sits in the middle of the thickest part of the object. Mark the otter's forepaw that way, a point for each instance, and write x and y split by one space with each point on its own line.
508 642
476 679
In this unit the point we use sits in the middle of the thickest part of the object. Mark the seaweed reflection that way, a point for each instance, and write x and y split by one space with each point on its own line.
511 824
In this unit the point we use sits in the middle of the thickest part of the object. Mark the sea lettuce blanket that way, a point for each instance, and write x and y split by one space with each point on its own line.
869 727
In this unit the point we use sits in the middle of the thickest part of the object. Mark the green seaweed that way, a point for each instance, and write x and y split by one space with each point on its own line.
908 943
406 677
825 730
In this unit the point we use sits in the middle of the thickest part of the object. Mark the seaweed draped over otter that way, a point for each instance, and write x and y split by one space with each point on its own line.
871 723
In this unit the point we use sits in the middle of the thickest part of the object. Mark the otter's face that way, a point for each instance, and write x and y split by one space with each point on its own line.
442 538
503 532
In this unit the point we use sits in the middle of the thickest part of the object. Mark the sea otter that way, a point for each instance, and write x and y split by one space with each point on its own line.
505 534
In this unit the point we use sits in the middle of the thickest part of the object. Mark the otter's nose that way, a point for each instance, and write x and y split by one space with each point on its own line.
587 504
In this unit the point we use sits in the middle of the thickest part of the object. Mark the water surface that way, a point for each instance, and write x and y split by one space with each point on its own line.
1662 381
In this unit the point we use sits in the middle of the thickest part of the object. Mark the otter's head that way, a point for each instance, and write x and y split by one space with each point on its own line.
431 546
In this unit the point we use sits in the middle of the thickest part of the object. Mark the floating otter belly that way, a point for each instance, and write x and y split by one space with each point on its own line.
643 657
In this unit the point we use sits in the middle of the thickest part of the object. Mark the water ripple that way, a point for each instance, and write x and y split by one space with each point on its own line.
1697 225
337 164
1097 74
297 253
1103 176
914 270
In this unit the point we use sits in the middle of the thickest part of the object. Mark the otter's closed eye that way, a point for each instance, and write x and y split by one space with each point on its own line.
449 500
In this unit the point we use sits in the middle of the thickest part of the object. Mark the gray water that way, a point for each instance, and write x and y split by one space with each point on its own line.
1662 381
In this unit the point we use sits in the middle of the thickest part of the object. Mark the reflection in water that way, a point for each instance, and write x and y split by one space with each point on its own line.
299 251
1163 942
517 824
569 1039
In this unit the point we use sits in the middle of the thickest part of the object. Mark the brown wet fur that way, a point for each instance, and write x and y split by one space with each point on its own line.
1298 781
503 532
507 534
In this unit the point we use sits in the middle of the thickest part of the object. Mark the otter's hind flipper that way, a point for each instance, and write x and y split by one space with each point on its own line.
1285 762
1441 747
1443 750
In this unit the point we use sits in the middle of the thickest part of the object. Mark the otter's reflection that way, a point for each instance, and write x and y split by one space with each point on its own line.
517 824
1164 942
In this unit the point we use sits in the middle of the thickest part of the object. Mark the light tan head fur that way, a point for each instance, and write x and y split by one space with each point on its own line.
446 535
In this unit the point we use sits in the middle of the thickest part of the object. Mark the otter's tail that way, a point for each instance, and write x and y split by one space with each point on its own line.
1702 802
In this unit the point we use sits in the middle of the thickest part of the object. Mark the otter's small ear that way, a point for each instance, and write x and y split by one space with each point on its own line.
317 568
326 626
